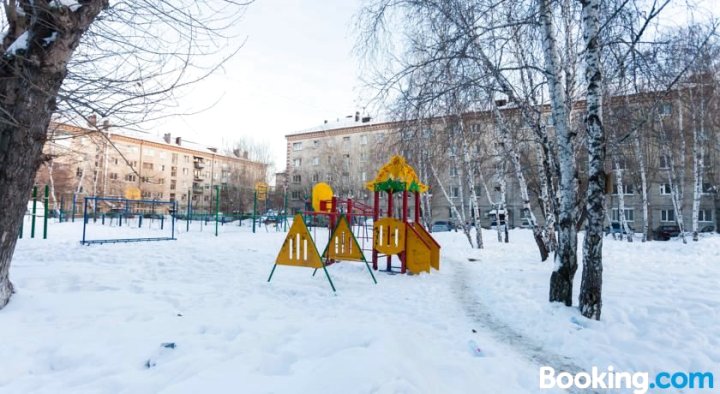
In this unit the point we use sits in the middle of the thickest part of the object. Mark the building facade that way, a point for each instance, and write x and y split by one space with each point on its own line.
111 162
669 138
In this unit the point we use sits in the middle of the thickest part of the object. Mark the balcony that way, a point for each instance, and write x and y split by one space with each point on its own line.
199 164
197 189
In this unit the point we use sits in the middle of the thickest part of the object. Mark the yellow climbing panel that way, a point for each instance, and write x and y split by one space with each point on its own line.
389 236
299 250
343 245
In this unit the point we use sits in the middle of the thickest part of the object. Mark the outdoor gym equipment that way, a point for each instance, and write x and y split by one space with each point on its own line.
129 213
33 213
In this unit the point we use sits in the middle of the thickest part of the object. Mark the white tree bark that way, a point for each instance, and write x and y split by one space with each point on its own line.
643 184
451 203
590 299
561 280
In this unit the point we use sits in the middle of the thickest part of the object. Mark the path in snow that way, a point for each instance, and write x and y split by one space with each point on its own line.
535 353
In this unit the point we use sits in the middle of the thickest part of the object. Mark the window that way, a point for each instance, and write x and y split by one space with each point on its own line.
161 181
316 144
297 146
187 159
147 166
667 215
316 178
705 215
453 171
329 177
347 160
297 162
133 164
113 176
455 191
130 178
174 158
149 152
664 162
627 189
296 178
206 198
146 194
363 157
665 109
172 196
185 171
665 189
707 188
629 215
363 140
346 140
144 179
295 195
162 167
115 161
316 161
363 176
173 184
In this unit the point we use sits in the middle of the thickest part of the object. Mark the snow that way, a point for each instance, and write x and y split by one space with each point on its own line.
197 314
73 5
20 44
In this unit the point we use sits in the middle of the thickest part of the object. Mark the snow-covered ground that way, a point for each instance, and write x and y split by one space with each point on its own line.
197 314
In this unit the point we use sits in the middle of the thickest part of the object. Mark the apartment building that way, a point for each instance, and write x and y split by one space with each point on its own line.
347 153
107 161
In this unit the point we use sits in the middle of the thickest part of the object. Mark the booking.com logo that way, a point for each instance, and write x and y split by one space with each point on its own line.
611 379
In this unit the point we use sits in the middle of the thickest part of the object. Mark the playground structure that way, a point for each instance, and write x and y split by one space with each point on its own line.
346 219
129 213
409 240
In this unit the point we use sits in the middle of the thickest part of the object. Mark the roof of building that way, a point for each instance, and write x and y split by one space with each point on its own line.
348 123
149 137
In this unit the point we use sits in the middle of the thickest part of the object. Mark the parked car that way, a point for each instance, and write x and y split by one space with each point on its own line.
708 229
493 225
666 231
525 223
440 226
616 228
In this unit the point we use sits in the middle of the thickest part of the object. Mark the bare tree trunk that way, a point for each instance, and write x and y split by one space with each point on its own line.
674 192
469 171
561 280
643 185
547 200
31 78
678 192
503 202
590 299
698 160
621 200
464 226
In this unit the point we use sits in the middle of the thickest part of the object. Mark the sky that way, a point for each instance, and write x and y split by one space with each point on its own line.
296 70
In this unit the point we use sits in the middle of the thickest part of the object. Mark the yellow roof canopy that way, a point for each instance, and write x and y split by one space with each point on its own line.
397 175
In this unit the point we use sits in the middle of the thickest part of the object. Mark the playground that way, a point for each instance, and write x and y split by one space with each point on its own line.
196 312
99 315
